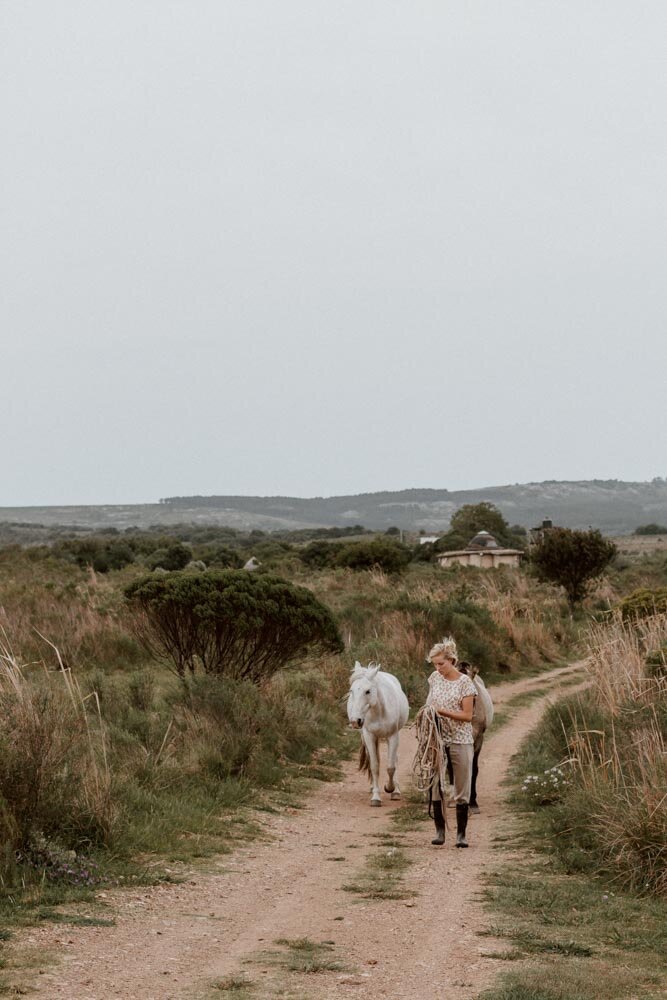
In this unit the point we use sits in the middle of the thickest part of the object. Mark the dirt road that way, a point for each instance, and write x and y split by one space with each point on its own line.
183 941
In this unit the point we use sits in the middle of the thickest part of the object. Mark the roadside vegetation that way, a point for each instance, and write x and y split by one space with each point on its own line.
586 914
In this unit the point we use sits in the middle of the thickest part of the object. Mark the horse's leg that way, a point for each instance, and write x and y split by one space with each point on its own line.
392 764
450 779
475 768
373 748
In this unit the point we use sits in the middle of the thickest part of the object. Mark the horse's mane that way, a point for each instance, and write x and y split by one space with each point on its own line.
360 671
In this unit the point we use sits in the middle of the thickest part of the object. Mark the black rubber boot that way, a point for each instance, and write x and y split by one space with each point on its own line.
461 824
439 818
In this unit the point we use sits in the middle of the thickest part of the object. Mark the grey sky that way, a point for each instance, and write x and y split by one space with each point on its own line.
325 247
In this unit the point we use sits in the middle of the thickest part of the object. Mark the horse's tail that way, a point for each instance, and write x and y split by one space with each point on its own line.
364 760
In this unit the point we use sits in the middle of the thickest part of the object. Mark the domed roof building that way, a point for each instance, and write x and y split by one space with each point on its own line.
482 551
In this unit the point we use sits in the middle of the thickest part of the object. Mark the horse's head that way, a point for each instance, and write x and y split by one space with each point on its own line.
467 668
363 693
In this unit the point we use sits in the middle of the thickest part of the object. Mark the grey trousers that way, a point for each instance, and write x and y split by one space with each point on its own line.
461 755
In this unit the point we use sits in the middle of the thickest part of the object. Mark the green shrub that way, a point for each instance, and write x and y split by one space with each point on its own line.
387 555
643 603
218 556
320 554
229 621
238 730
480 640
175 557
103 555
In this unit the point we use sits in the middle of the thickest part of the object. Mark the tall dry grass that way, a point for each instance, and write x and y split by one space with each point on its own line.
392 618
54 773
80 612
616 736
617 655
531 614
625 788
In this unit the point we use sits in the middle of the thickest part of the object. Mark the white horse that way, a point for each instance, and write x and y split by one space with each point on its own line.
378 707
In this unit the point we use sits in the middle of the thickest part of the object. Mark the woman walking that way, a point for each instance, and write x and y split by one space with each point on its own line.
452 697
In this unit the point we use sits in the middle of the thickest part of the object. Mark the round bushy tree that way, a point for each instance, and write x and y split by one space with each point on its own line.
472 518
572 559
229 621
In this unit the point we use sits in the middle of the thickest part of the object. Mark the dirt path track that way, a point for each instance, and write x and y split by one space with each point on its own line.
172 942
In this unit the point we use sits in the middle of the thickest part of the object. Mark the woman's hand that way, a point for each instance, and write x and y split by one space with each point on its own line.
467 704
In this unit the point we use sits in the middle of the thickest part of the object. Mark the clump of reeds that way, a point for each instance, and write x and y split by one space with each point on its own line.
624 780
54 776
616 738
617 654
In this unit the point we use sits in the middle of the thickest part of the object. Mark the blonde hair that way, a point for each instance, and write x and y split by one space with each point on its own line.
446 648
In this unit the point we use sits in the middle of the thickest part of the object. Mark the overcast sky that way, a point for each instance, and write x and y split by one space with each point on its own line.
330 246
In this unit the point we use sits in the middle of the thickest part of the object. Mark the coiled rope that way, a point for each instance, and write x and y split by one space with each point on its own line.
428 767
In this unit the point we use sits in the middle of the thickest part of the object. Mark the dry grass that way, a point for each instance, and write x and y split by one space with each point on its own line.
391 619
617 653
622 770
82 615
641 545
54 771
627 800
529 613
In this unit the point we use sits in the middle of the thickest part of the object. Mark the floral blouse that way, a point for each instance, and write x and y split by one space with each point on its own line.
450 695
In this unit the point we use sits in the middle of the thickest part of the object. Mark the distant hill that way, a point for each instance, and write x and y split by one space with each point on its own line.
613 506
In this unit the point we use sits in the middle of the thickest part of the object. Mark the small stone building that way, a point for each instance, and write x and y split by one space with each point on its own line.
482 551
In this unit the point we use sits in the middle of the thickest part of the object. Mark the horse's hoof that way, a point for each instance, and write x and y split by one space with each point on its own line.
375 802
474 809
388 789
395 795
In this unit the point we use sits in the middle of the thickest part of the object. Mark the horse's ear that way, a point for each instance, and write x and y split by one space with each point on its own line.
372 671
357 672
